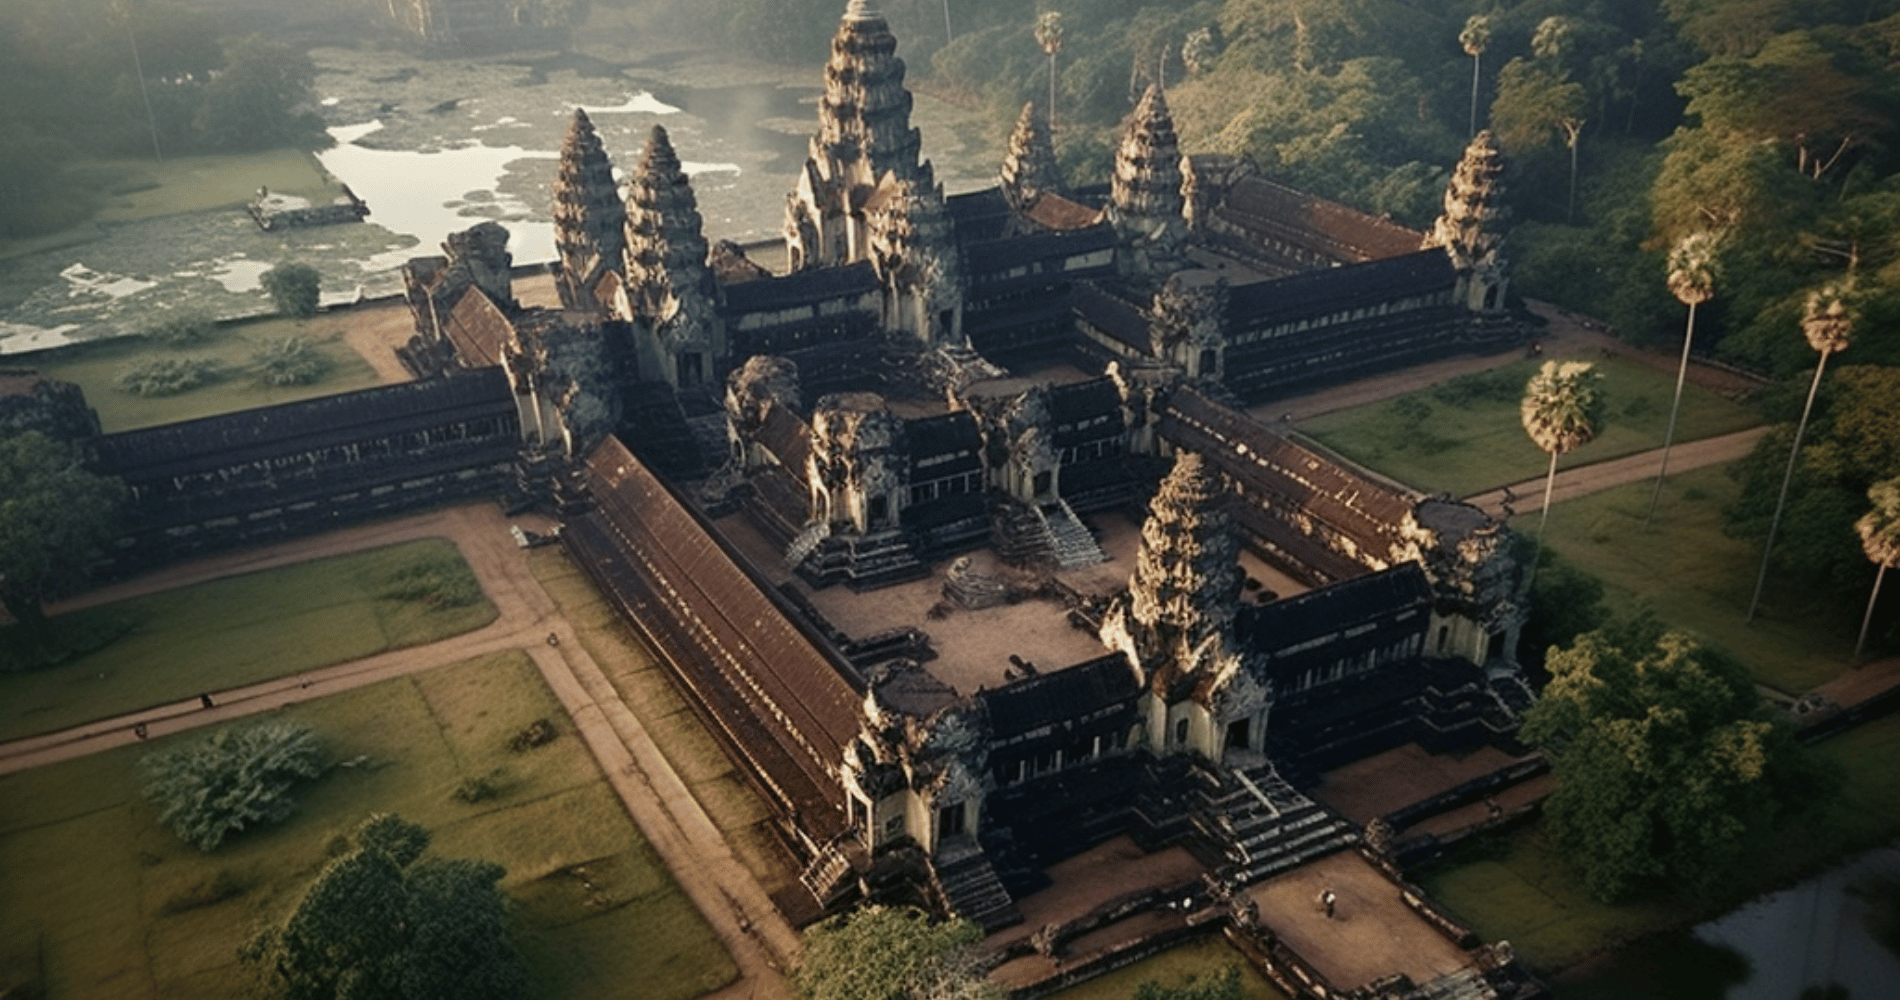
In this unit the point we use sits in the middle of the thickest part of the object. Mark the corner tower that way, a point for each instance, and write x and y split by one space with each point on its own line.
864 133
669 294
1145 202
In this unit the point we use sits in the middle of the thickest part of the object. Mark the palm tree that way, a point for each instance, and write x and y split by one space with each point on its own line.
1692 279
1049 36
1829 325
1562 410
1475 37
1880 537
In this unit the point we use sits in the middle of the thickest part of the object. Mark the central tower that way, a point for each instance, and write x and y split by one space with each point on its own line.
864 138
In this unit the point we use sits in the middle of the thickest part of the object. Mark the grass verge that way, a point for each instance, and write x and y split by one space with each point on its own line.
647 690
94 366
104 902
1202 957
1697 579
1465 435
245 629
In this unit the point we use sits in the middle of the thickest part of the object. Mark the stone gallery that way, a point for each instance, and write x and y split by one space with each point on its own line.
947 517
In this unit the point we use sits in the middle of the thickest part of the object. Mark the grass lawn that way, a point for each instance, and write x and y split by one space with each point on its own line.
1465 436
94 366
1207 956
102 902
246 629
1517 887
142 189
649 692
1697 579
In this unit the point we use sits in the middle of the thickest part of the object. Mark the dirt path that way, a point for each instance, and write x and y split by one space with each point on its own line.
732 901
1566 336
1528 495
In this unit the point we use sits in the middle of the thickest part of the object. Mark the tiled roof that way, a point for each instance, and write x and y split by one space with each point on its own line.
802 288
1332 289
1059 696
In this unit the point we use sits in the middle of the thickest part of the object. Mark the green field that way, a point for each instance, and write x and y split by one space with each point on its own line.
103 902
1695 578
94 366
1464 436
245 629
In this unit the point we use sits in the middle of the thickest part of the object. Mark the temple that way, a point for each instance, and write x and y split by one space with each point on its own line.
957 531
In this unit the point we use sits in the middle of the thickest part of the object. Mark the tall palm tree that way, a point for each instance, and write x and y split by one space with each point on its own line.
1880 536
1475 38
1049 36
1829 325
1562 410
1692 279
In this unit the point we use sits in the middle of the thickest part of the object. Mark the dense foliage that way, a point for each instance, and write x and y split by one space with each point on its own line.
167 376
381 922
238 778
1665 763
54 514
293 288
1222 986
92 78
289 361
889 953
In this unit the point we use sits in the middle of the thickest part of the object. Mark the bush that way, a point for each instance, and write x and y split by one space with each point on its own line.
293 288
187 327
481 787
237 778
436 584
290 361
167 376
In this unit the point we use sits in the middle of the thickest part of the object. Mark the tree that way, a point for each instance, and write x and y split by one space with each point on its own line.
1879 532
293 288
1561 410
262 100
1828 324
1692 280
1475 37
380 921
236 779
1049 36
1664 761
54 515
891 953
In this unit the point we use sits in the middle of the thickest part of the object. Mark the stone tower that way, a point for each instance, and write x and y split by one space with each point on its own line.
1186 584
669 294
1145 200
1471 228
1029 169
864 133
915 252
1187 325
589 218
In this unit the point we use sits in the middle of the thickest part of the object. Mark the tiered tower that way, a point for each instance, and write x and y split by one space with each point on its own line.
1186 585
1029 169
670 295
864 133
1471 228
1145 199
589 218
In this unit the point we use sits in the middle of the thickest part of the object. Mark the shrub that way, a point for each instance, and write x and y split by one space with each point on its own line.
186 327
237 778
167 376
290 361
437 584
293 288
481 787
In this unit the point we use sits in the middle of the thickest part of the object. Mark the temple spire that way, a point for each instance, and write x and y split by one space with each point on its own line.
1186 585
1145 200
1029 168
1471 228
670 289
589 217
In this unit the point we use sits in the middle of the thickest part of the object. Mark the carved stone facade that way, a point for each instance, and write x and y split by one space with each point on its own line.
1471 228
1029 167
1146 203
589 218
669 295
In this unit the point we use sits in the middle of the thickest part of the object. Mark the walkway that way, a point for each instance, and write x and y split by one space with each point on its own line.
732 901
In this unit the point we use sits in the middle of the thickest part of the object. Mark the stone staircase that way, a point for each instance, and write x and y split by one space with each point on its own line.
970 888
862 562
1265 826
832 873
805 543
1070 540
